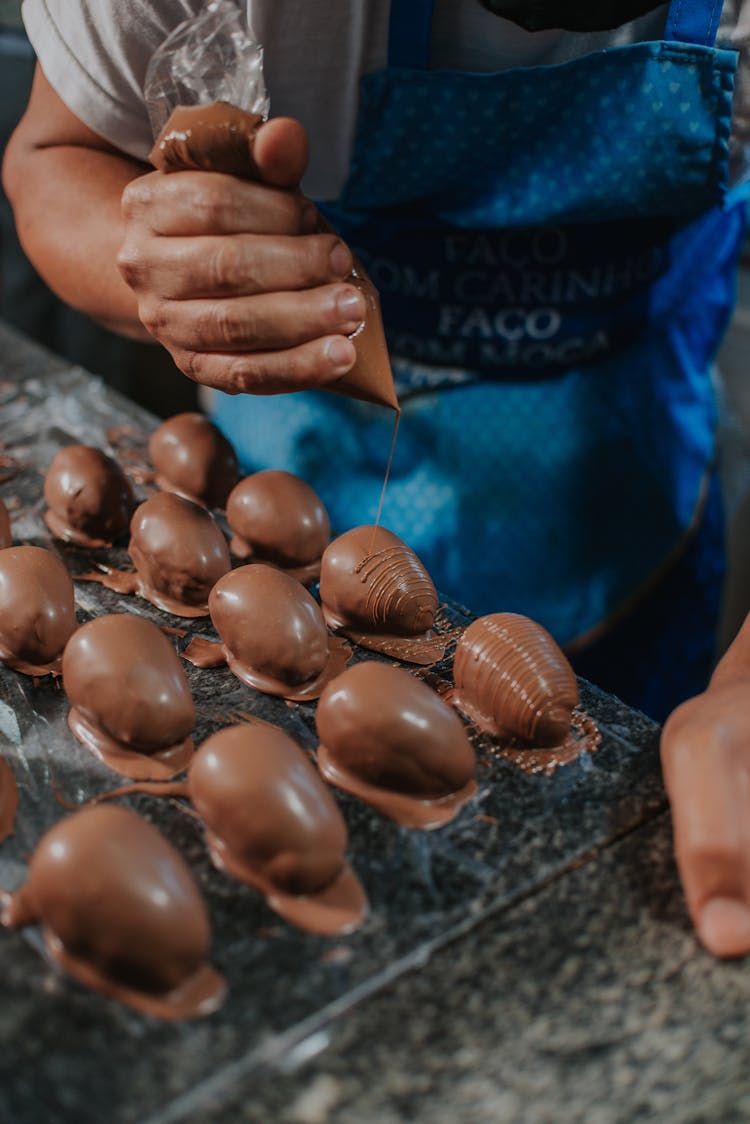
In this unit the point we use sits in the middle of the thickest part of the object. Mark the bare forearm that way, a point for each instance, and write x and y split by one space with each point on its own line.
66 201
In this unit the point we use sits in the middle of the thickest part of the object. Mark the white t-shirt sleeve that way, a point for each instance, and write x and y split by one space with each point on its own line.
95 57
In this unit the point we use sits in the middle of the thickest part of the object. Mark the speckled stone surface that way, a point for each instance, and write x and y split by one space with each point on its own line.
523 854
590 1002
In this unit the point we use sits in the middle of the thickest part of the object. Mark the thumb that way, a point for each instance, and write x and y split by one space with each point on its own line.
280 151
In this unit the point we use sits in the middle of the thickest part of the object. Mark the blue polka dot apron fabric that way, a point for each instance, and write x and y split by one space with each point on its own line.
555 250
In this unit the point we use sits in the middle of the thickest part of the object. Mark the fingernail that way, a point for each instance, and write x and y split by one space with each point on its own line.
341 354
724 927
341 260
351 306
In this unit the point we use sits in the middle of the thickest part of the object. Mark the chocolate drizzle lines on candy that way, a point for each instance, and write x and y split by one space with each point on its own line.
514 682
397 587
375 590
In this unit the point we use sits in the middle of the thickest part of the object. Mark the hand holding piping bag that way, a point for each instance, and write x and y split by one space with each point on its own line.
235 272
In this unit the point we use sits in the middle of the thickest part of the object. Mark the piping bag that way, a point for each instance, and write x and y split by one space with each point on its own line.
206 98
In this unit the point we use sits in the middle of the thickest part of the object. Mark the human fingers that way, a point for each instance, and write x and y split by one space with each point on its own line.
236 265
705 751
184 204
259 323
280 150
315 364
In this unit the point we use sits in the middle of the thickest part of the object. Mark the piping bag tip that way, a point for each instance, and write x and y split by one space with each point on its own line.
371 377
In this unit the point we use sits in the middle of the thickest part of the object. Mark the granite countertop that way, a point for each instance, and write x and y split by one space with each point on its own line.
532 961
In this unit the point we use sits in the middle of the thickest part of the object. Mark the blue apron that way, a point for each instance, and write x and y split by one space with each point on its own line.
555 249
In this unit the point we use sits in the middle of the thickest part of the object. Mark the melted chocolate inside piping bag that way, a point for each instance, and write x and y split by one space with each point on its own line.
271 823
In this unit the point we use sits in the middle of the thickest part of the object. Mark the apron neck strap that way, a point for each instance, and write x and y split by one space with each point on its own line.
409 33
693 21
410 28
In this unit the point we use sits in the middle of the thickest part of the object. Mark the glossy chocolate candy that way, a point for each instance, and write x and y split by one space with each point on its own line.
179 554
89 498
37 609
374 589
277 518
272 823
193 458
121 912
273 633
389 739
512 679
130 701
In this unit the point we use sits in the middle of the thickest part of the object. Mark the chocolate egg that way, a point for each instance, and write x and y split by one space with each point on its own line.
391 740
179 553
273 631
193 458
90 499
513 680
278 518
273 823
6 534
371 579
37 609
120 911
131 703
